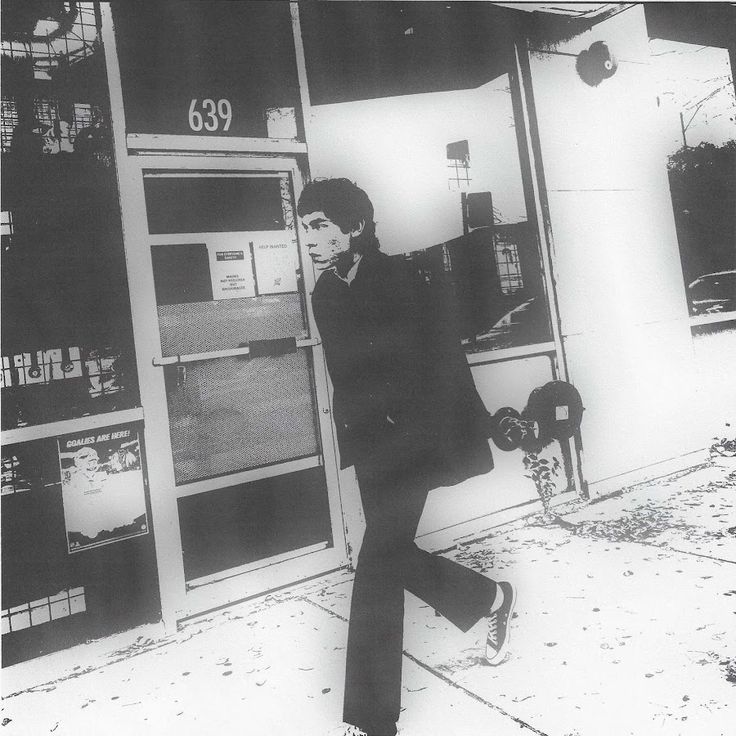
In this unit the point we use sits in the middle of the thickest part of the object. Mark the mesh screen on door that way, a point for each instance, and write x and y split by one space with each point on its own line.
200 327
232 414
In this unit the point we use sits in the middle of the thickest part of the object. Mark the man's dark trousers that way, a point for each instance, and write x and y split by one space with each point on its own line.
408 416
393 493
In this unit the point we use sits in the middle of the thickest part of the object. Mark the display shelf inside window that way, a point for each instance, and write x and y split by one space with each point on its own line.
20 471
55 595
55 133
56 153
65 304
64 383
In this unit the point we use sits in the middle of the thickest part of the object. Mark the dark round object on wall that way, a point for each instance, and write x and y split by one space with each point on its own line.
596 64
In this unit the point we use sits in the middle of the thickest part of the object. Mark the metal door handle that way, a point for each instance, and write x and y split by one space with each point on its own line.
230 353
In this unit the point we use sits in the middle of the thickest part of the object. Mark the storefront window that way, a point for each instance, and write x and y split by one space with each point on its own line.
78 552
425 124
67 340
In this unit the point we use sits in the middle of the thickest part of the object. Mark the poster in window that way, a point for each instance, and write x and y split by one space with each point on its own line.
231 269
275 264
102 487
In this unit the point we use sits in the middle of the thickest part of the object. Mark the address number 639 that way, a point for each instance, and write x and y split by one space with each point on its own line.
212 115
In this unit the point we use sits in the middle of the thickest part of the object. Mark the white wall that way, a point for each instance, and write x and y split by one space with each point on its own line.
715 362
625 325
623 312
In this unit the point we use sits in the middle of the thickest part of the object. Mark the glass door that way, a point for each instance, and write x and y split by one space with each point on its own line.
238 390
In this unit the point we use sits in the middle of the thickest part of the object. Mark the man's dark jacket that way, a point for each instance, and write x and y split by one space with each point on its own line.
403 390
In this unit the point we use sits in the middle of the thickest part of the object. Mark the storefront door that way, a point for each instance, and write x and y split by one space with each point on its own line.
234 390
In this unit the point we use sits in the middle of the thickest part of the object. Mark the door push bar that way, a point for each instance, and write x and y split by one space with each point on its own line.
253 349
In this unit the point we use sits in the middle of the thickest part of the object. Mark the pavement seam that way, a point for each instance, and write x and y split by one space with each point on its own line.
641 542
444 678
522 723
115 658
661 548
698 554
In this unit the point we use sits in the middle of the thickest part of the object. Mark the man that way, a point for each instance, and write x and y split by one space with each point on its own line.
409 418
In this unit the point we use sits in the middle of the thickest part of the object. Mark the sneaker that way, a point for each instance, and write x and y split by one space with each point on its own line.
497 641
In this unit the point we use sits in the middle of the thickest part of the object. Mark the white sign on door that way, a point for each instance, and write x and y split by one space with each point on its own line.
231 270
276 264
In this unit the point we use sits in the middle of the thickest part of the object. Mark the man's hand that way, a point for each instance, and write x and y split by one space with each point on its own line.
515 430
511 431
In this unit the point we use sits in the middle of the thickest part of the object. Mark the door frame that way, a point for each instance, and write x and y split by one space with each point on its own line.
200 153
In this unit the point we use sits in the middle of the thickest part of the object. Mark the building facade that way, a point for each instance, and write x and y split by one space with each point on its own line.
167 438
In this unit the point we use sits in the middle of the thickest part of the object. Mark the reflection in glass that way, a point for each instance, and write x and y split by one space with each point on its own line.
712 293
697 114
436 150
490 282
67 344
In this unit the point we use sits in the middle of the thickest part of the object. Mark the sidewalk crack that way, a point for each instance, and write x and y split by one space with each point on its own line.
428 668
522 723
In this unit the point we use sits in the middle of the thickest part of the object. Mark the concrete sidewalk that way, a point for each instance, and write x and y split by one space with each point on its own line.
625 625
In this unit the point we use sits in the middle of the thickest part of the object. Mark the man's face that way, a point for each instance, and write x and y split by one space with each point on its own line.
325 240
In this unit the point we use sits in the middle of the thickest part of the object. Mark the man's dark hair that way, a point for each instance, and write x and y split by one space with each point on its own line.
346 204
